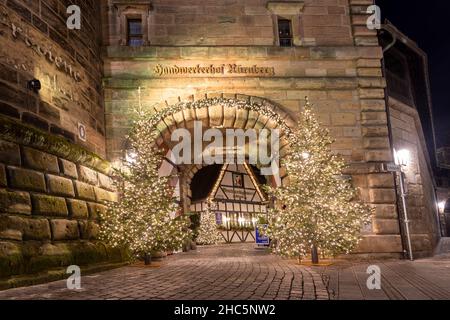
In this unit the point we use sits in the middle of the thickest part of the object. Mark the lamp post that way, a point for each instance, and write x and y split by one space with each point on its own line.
402 159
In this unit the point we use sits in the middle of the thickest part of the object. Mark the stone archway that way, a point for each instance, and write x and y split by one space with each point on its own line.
225 111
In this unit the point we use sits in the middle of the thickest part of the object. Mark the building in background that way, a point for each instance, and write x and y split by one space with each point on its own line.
58 143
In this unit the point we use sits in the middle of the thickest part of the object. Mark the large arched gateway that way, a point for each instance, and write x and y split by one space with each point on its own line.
67 108
234 184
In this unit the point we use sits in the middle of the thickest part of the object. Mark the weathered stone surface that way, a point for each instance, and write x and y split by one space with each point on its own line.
385 226
15 202
105 196
45 205
48 255
386 211
380 244
68 168
84 191
89 230
64 230
106 182
11 259
40 160
60 186
382 195
96 210
88 175
3 181
378 156
19 228
27 179
381 180
9 153
11 227
78 209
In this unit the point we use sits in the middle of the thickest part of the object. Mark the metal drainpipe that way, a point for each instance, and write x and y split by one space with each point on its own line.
391 136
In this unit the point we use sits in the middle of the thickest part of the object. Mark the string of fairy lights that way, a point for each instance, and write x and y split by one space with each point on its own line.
314 210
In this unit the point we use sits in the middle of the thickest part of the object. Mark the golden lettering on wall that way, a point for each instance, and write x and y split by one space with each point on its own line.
212 70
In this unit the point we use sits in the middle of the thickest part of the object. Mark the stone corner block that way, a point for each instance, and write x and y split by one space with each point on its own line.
105 196
78 209
3 180
84 191
40 160
27 179
60 186
45 205
68 168
64 230
10 153
96 210
15 202
89 230
88 175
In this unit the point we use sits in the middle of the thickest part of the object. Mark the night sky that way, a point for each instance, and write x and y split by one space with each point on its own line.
428 24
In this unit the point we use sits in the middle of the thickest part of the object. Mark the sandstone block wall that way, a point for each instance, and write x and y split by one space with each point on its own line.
230 22
336 63
421 199
36 43
51 195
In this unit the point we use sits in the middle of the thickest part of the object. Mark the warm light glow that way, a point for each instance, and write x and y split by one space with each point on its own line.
306 155
130 157
441 206
402 157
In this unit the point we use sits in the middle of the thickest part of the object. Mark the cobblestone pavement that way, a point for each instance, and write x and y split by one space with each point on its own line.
243 272
424 279
222 272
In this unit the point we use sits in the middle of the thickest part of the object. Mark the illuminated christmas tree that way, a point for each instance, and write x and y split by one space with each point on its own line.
317 210
208 233
144 219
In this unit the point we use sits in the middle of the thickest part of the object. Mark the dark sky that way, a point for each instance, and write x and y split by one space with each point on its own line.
428 24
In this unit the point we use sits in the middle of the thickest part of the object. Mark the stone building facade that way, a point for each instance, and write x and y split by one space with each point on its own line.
334 60
155 54
53 182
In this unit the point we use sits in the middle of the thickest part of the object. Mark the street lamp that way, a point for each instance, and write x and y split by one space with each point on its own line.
402 159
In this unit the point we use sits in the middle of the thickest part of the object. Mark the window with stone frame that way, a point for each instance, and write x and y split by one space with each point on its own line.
132 17
135 37
285 35
287 22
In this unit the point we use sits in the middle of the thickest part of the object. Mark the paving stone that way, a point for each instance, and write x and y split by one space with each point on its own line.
243 273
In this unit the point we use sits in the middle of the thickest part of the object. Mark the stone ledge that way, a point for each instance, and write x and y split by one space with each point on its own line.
32 257
55 275
17 132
